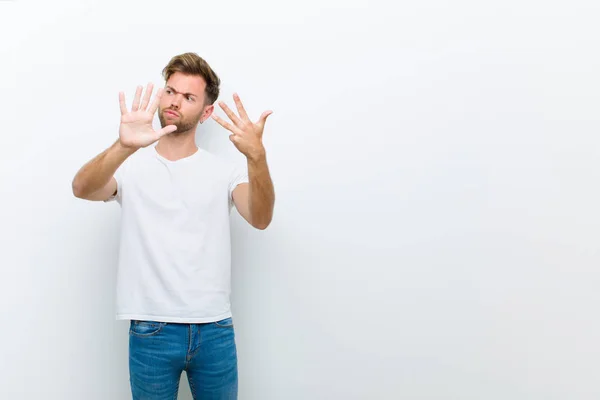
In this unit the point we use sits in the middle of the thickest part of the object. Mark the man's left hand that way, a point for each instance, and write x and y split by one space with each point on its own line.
245 134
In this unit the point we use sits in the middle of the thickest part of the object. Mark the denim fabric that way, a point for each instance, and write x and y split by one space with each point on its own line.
160 351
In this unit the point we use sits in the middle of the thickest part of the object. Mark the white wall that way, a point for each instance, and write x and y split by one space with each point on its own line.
436 169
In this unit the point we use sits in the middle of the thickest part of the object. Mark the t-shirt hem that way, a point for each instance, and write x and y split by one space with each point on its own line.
163 318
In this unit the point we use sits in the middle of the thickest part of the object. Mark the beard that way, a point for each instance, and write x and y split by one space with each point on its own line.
183 124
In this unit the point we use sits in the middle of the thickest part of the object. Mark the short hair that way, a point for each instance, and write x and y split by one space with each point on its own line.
193 64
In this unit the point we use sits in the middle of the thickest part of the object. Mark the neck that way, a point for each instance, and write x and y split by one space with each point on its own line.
177 146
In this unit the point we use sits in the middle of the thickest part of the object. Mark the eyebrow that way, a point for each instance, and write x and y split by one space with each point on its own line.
187 94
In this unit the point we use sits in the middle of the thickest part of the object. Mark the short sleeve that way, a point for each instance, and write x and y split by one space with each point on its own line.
238 175
119 178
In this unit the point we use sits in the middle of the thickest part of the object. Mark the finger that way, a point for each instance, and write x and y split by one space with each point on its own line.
230 114
166 130
156 101
136 100
147 95
236 140
226 124
122 103
263 118
240 107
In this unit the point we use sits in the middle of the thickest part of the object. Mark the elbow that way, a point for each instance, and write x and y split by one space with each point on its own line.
78 189
262 221
261 225
77 192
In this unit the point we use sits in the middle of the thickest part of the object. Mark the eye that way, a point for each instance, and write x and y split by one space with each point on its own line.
168 91
190 98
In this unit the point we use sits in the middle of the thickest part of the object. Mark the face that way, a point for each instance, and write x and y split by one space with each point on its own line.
182 103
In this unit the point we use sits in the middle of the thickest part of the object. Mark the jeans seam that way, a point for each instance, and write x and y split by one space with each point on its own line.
188 356
192 387
161 326
192 354
230 325
176 391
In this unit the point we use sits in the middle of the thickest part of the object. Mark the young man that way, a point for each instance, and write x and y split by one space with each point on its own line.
173 280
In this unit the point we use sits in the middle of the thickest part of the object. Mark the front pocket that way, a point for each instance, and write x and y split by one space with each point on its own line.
225 323
145 328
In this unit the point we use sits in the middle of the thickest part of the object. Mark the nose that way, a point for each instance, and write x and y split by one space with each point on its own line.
175 101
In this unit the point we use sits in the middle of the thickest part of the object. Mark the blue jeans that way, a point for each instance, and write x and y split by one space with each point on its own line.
160 351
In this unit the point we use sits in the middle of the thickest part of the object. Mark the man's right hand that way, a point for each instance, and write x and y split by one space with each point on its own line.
136 129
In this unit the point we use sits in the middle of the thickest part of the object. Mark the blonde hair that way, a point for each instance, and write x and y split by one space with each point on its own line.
193 64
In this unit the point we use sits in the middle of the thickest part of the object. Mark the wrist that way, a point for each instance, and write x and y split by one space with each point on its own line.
257 155
123 149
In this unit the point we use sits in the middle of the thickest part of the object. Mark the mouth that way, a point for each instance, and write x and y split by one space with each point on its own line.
171 113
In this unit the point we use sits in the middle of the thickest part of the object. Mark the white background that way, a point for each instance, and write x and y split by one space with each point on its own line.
436 170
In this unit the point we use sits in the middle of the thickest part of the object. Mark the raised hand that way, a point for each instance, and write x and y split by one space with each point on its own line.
136 128
245 134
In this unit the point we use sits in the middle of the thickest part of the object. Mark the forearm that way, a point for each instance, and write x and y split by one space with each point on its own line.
261 192
96 173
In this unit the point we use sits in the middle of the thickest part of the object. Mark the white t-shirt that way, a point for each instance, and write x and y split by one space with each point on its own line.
175 253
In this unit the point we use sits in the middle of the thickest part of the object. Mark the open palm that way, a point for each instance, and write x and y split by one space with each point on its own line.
136 129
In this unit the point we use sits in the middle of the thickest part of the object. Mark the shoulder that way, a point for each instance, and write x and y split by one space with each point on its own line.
227 166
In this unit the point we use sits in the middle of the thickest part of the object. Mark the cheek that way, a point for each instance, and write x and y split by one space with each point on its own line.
191 110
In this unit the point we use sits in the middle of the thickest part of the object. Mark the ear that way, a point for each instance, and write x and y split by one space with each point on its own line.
208 110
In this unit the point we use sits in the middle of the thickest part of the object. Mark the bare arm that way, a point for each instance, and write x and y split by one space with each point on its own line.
255 200
95 180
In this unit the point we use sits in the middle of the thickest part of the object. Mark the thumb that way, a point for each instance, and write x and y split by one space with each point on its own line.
263 117
166 130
